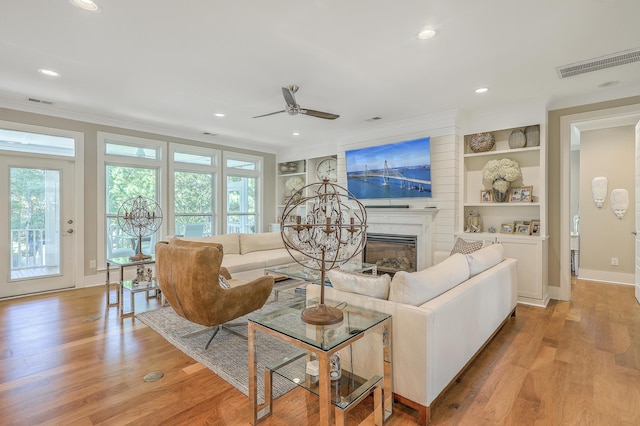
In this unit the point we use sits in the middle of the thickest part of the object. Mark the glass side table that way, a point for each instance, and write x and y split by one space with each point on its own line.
362 331
146 286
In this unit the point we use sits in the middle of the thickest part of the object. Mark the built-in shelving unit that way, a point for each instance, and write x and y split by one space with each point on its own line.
304 170
530 250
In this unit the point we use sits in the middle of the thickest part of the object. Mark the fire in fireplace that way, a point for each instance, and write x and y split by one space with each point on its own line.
391 253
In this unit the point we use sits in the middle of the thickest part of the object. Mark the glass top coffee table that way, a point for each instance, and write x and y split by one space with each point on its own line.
363 337
294 275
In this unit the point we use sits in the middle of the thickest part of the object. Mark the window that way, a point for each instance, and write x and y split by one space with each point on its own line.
242 193
194 183
17 141
200 191
132 168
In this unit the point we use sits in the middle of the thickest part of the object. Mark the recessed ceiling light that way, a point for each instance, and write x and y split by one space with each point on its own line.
426 34
482 90
296 133
50 73
608 84
219 114
89 5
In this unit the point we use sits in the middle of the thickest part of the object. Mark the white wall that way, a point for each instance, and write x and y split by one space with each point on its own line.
607 152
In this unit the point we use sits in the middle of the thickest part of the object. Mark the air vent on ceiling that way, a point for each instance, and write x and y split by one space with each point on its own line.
40 101
374 119
601 63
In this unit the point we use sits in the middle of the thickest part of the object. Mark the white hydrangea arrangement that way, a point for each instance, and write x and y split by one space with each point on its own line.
500 173
294 184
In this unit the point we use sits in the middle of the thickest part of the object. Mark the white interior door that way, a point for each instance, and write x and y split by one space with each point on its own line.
637 228
37 228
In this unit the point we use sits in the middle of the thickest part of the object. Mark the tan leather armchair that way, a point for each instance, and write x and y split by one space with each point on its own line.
188 275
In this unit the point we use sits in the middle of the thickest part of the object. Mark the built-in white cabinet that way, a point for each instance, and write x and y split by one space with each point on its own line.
497 218
293 174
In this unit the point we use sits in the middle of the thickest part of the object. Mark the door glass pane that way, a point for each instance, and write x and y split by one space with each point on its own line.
35 222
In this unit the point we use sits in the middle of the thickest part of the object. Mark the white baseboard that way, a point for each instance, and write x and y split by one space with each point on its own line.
606 277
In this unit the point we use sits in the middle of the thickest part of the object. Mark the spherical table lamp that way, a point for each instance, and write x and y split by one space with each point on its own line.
139 217
330 233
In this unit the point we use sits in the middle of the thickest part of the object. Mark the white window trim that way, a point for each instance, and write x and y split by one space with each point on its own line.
121 160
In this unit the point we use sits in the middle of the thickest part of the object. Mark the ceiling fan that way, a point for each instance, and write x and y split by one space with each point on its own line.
293 108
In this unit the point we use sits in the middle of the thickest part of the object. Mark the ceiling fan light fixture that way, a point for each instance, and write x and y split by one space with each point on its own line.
427 34
89 5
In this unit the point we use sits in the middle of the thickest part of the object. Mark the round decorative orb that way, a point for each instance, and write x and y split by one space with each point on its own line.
332 232
482 142
139 217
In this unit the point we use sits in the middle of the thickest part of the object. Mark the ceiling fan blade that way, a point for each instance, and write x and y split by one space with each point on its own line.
288 96
319 114
271 113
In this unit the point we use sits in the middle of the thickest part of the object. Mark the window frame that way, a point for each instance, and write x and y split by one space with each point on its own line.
258 174
179 166
105 160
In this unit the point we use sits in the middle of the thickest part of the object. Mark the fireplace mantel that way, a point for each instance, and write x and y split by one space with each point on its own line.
406 221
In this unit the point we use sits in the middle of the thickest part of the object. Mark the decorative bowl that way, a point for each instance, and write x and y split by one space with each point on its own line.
482 142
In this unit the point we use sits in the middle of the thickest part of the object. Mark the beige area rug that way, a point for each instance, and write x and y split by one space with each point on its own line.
227 355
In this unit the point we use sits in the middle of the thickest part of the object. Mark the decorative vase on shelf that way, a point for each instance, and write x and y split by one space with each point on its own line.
517 139
500 190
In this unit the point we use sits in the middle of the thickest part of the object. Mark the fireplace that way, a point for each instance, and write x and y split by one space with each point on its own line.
391 253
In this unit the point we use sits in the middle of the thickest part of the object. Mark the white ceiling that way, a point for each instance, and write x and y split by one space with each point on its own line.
170 65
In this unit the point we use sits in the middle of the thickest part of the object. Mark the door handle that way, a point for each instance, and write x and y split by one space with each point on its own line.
634 232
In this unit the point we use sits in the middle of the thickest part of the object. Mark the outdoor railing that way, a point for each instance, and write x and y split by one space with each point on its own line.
27 248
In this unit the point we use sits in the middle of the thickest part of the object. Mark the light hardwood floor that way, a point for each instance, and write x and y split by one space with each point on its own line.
67 360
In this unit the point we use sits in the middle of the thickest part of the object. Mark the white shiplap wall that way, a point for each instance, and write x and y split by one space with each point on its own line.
445 149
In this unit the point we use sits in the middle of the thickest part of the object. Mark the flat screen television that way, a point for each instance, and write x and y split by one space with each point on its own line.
397 170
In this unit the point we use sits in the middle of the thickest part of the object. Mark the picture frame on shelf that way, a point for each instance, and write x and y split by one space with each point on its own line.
506 228
521 194
486 196
523 229
535 227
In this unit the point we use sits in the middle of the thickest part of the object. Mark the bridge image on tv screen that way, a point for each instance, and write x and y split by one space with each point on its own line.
398 170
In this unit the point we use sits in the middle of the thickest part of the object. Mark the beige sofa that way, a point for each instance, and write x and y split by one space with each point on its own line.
442 317
250 252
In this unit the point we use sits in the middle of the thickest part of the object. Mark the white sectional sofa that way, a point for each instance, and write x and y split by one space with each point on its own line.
249 252
442 317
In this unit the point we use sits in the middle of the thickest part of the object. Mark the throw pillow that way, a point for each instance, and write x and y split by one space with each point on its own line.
466 247
416 288
354 282
485 258
222 281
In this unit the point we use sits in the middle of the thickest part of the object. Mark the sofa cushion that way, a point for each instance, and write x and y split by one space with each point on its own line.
354 282
466 247
415 288
485 258
258 242
230 242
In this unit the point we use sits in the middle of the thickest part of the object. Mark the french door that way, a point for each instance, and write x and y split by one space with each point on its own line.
37 229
